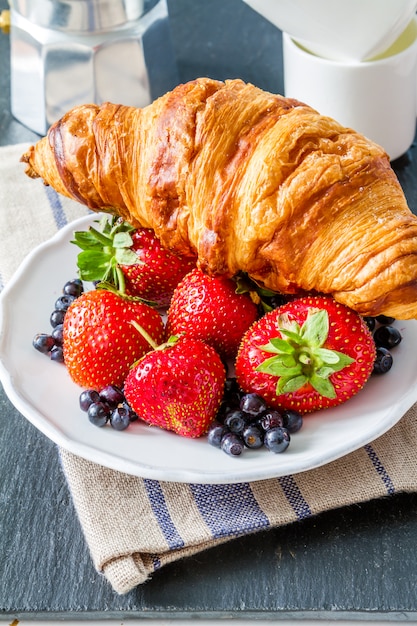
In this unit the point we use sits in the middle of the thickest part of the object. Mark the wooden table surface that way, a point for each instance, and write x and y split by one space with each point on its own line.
357 562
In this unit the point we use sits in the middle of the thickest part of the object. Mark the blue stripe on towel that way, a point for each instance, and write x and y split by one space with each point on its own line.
56 206
156 562
380 469
294 497
229 509
163 517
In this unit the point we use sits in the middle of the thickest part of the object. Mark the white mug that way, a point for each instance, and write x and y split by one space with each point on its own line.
377 98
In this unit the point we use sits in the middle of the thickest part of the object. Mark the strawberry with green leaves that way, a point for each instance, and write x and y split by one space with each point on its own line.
100 341
178 386
309 354
210 308
130 259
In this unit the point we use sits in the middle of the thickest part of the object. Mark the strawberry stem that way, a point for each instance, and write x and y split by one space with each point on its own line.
145 334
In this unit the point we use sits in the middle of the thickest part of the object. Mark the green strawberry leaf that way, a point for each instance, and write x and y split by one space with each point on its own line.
343 360
290 385
276 345
92 264
315 329
122 240
126 257
323 386
85 240
280 367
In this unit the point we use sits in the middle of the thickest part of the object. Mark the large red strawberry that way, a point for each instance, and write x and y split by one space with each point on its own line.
178 386
309 354
209 308
132 260
100 342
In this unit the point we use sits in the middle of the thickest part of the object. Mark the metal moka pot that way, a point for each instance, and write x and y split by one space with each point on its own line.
70 52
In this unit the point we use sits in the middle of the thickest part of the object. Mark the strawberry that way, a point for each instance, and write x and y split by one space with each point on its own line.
209 308
178 386
132 260
100 342
309 354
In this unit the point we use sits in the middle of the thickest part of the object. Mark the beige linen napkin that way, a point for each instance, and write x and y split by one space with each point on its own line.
159 522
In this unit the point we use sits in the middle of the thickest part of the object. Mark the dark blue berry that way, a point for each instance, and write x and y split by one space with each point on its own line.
132 415
253 436
120 418
73 287
385 319
57 354
293 420
58 334
63 302
277 439
43 342
98 413
87 397
57 317
370 322
252 403
232 444
231 385
215 433
112 394
270 419
383 361
235 421
387 336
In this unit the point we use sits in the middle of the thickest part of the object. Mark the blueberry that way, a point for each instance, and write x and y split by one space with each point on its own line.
63 302
87 397
235 421
385 319
132 415
253 436
119 418
57 354
293 420
270 418
387 336
112 394
73 287
57 317
232 444
383 361
277 439
98 413
215 433
370 322
231 385
58 334
43 342
252 403
232 392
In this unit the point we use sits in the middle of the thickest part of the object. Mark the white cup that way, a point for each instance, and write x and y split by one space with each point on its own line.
342 30
377 98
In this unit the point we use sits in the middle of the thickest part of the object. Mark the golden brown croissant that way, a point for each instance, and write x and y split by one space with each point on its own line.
251 182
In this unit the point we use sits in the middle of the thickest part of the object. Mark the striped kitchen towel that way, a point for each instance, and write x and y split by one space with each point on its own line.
158 522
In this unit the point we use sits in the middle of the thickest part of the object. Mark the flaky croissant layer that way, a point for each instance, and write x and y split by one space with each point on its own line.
250 182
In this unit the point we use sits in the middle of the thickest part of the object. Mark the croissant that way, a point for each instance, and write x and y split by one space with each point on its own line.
250 182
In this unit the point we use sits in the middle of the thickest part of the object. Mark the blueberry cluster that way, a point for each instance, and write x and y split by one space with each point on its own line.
51 343
107 406
244 421
386 337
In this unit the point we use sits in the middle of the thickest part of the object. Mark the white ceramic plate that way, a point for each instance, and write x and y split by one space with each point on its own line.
43 392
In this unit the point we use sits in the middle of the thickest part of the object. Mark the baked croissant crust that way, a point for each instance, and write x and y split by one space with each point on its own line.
250 182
